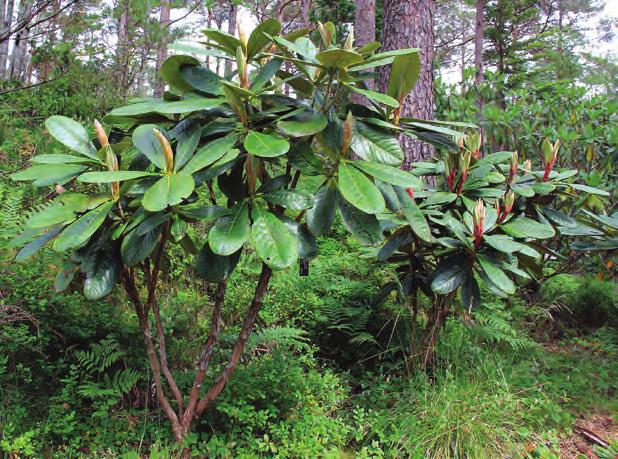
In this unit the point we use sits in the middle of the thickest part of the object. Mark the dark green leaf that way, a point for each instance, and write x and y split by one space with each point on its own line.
364 227
136 248
213 267
171 72
210 153
358 190
78 232
259 37
231 231
524 227
322 214
274 243
374 144
112 176
146 142
303 124
72 134
450 274
290 199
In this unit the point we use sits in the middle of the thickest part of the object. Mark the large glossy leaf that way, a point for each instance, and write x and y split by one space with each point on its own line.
358 190
470 293
171 72
259 37
192 104
450 274
392 53
231 231
202 79
307 244
226 41
50 216
374 144
213 267
338 58
187 133
439 197
414 216
290 199
304 124
210 153
400 237
389 174
57 158
274 243
524 227
302 157
169 190
151 222
322 214
266 73
72 134
404 74
78 232
364 227
33 247
102 272
112 176
266 145
137 247
522 190
588 189
497 276
81 202
49 174
375 96
505 244
147 143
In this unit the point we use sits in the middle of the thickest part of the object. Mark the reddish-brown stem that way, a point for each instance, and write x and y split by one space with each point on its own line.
243 336
154 305
206 355
128 282
163 358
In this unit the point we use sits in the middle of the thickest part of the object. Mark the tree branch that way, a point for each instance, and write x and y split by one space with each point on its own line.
206 355
239 346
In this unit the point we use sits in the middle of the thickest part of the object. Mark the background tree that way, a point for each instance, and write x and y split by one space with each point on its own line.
164 23
409 23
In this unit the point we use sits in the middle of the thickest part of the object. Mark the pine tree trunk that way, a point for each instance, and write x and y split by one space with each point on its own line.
164 23
364 32
231 28
122 49
409 24
479 30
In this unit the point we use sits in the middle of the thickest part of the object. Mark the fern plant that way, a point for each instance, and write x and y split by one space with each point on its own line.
104 387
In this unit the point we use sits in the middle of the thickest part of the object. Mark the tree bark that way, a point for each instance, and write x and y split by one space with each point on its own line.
364 32
6 8
231 28
305 7
19 48
409 24
164 23
122 48
479 30
435 323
